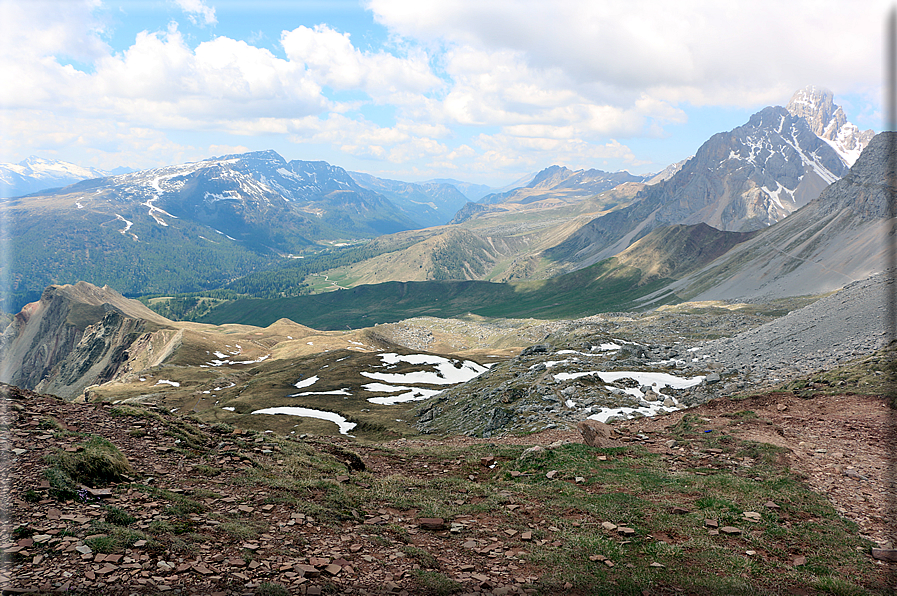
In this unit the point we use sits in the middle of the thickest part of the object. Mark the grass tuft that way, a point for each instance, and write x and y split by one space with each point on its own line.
97 464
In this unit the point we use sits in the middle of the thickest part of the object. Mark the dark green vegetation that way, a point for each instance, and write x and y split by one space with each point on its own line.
280 279
88 246
614 284
603 287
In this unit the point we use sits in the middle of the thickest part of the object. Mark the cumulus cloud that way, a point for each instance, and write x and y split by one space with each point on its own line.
197 11
700 51
469 85
335 62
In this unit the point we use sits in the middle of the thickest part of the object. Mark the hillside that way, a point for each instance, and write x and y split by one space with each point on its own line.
551 188
664 506
505 246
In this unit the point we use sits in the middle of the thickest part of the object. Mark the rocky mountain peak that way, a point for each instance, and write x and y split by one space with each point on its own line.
827 120
550 176
816 105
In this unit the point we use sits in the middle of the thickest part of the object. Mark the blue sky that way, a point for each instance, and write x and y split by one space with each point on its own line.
418 89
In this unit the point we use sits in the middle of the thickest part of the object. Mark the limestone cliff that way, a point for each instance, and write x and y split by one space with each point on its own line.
74 336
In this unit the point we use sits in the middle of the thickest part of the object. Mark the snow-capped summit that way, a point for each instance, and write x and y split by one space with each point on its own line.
36 173
827 120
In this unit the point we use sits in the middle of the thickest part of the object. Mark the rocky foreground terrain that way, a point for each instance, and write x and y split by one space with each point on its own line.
713 498
763 469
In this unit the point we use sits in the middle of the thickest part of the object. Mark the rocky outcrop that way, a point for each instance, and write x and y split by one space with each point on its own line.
74 336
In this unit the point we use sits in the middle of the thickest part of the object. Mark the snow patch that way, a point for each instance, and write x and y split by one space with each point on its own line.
306 382
344 425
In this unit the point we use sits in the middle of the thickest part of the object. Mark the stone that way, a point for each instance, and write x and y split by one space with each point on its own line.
884 554
730 530
711 523
798 561
431 523
99 493
679 511
552 474
608 526
596 434
534 452
771 505
309 571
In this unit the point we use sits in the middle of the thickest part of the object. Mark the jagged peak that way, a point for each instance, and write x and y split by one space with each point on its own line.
827 120
816 105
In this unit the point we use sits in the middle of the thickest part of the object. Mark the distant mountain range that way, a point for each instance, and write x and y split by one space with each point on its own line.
428 203
35 174
190 226
835 239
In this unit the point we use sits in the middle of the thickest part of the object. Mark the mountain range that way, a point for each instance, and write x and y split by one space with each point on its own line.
205 225
35 174
837 238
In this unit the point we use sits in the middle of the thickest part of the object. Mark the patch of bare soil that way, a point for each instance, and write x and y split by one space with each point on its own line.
843 445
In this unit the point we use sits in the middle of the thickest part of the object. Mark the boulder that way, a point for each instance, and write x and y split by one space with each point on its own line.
596 434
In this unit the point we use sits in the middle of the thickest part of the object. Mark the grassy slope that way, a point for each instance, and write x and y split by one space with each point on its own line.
600 288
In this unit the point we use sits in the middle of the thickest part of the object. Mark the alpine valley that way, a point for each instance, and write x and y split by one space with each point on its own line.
269 300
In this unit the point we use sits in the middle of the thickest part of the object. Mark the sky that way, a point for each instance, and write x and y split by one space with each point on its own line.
479 91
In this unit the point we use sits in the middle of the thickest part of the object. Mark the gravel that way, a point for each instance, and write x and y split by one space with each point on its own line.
833 330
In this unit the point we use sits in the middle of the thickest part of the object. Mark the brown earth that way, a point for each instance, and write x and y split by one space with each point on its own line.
839 443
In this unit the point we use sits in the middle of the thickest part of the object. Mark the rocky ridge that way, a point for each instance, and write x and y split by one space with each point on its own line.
839 238
555 384
75 336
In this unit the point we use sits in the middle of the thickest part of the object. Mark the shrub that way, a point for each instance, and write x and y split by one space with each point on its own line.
435 583
62 486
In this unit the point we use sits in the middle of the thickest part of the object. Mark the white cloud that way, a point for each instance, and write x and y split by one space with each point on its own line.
196 10
335 62
499 86
700 51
